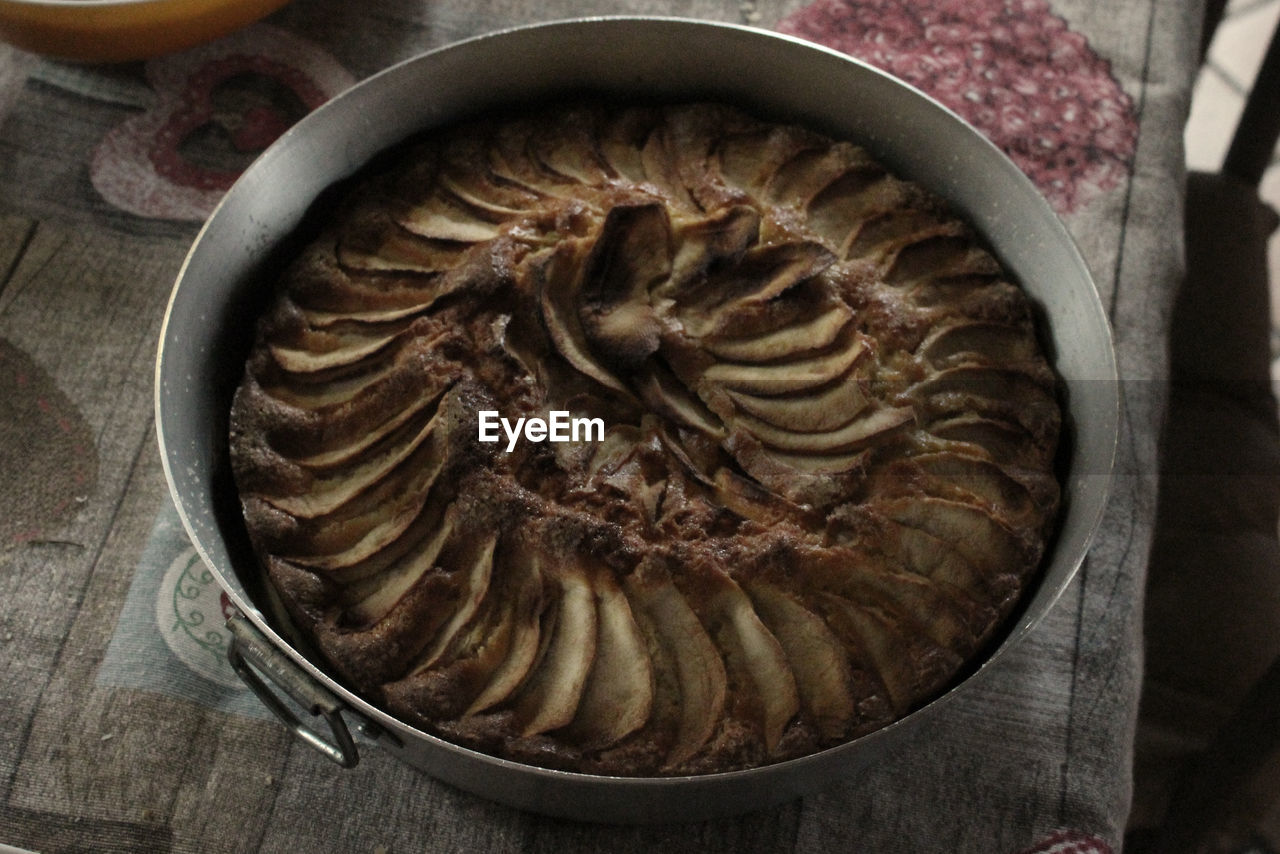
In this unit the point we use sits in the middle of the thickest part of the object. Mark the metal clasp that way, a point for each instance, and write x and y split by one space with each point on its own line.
253 658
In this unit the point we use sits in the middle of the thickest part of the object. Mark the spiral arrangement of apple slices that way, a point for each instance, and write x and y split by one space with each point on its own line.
826 473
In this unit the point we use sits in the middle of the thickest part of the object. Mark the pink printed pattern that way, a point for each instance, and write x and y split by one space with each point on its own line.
1069 842
216 107
1011 68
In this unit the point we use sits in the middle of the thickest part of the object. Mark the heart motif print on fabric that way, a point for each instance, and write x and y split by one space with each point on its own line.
217 107
1069 842
1011 68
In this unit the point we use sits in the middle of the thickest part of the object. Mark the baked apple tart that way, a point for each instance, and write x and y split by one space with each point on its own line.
815 473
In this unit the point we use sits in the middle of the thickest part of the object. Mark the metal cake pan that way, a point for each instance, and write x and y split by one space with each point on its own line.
221 286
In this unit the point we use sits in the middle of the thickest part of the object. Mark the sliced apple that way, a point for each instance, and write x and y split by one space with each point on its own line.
750 646
331 395
763 273
336 456
984 481
662 170
333 488
817 412
522 650
814 333
750 500
630 256
969 341
668 397
932 613
750 159
788 377
700 672
346 350
557 296
549 696
617 699
818 661
910 668
482 196
373 317
371 598
361 528
883 233
940 256
818 465
383 246
798 181
867 427
567 148
1005 394
510 160
621 139
997 438
701 241
838 209
969 530
478 566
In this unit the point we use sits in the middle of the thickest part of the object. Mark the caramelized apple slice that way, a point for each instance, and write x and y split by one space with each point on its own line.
812 334
668 397
1004 394
322 320
932 613
706 240
630 256
986 482
911 668
788 377
347 350
376 244
558 294
821 669
750 500
751 647
868 427
549 696
970 531
940 256
440 218
618 696
338 543
706 306
798 181
374 597
978 341
748 160
478 567
338 455
998 439
330 489
482 197
817 412
526 610
699 670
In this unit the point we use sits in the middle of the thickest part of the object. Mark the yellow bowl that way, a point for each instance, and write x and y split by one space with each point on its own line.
120 30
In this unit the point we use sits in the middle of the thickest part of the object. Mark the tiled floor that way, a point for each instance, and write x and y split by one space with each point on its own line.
1219 96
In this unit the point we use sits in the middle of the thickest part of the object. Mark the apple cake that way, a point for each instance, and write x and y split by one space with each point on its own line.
815 469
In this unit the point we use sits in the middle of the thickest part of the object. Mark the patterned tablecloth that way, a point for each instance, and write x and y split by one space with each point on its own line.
121 726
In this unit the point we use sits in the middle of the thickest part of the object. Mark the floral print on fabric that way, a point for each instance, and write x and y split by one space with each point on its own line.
1011 68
